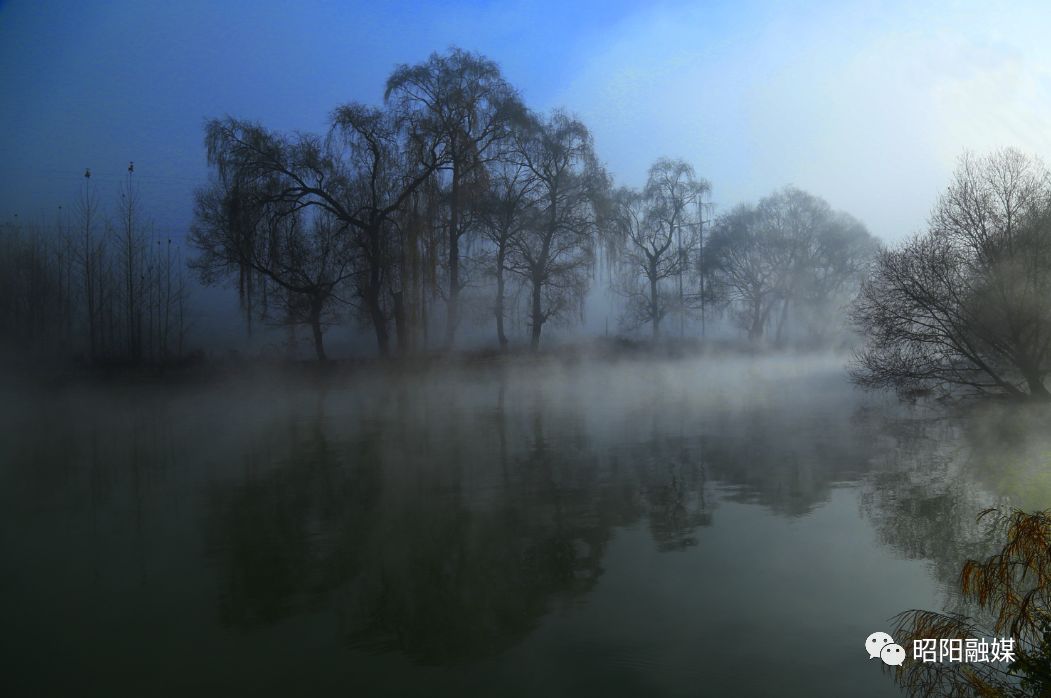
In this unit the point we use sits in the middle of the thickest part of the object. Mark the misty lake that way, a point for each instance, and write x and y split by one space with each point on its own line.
699 527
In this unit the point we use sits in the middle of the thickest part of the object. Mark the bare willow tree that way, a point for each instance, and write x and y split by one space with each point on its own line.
658 240
360 176
822 253
649 257
554 252
674 193
419 231
746 267
965 308
505 211
461 100
789 256
300 262
382 160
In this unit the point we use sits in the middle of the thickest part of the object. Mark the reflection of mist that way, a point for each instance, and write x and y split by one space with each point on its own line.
935 473
441 516
444 521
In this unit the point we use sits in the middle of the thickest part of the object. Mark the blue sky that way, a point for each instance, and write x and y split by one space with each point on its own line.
867 104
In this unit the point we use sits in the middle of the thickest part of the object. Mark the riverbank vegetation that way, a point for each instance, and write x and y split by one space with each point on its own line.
965 307
1012 589
451 208
450 205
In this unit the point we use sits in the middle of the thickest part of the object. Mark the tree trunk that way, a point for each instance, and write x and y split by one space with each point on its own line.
412 309
373 291
400 326
379 323
704 319
319 333
779 339
1037 389
655 317
537 315
129 289
89 294
452 313
499 305
755 332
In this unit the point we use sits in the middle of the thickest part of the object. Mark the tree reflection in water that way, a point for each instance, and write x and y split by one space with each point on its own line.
995 569
444 520
416 548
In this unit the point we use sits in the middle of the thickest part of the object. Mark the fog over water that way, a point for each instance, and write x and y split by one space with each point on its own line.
524 348
549 526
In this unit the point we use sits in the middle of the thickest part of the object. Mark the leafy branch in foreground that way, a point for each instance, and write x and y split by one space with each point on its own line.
1013 589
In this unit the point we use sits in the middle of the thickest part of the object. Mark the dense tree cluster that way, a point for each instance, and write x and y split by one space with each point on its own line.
450 202
103 288
965 308
789 254
454 193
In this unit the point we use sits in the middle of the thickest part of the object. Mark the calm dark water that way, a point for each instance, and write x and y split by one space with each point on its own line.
691 528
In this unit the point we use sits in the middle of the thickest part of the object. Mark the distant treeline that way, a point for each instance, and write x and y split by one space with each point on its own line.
451 202
103 289
452 198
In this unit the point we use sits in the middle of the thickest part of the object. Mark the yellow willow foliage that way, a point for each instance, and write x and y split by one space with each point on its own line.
1013 588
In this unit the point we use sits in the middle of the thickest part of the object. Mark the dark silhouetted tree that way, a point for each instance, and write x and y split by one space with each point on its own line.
790 254
554 252
298 263
461 100
965 308
360 176
507 208
673 194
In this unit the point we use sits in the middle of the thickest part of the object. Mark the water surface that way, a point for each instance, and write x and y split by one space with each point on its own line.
675 528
